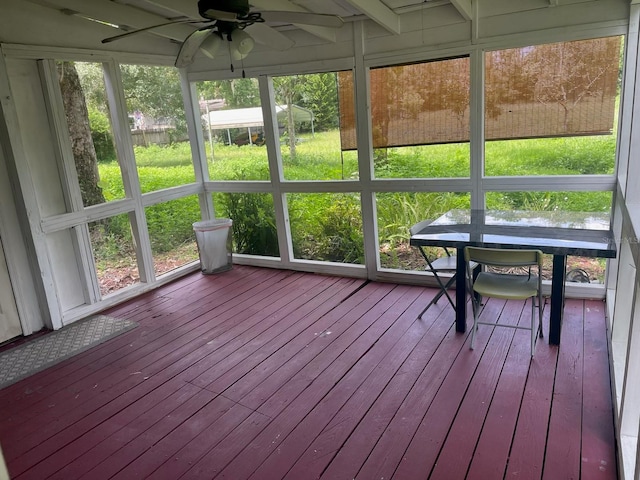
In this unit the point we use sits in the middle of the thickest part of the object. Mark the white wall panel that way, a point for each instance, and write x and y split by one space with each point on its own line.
36 136
65 269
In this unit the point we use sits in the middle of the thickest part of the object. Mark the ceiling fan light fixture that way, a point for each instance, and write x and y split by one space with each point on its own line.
211 45
241 44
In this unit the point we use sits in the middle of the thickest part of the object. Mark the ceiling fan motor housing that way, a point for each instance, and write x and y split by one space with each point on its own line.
211 9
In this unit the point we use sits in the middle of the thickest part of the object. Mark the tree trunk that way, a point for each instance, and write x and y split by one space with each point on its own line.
84 152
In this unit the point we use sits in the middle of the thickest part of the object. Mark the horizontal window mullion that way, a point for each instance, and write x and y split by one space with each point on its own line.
89 214
551 183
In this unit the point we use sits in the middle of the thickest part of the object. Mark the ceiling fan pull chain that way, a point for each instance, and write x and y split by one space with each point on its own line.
230 57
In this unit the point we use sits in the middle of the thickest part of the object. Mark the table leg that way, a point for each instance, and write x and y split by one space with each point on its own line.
461 292
557 298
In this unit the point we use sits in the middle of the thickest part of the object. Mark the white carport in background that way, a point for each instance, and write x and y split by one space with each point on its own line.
252 117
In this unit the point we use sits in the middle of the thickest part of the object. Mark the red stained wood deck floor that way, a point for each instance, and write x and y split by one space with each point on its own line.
268 374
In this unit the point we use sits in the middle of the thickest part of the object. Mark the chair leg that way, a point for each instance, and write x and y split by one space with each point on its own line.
533 325
443 291
540 314
474 329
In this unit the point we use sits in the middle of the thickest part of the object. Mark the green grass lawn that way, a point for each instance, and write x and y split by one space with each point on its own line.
317 220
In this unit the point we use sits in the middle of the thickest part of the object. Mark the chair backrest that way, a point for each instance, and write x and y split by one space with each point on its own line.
502 257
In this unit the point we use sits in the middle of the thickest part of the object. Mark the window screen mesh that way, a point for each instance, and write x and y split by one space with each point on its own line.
547 90
557 89
415 104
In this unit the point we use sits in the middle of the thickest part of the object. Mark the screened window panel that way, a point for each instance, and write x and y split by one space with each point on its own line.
416 104
558 89
551 90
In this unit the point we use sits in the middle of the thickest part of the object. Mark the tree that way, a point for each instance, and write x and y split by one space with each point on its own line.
84 152
236 93
286 88
156 92
568 73
319 93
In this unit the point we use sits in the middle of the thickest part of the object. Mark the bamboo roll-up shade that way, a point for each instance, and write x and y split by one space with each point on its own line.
560 89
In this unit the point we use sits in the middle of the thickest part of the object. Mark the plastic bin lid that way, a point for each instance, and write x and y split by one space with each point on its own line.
212 224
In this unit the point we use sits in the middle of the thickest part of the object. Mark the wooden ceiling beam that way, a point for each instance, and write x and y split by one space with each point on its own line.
379 13
464 7
120 15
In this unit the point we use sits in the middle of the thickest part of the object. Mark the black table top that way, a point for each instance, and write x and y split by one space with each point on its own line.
559 232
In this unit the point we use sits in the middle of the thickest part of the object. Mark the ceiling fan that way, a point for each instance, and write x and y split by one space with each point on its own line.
227 20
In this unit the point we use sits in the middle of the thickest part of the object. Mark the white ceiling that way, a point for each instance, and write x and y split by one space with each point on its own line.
83 24
74 23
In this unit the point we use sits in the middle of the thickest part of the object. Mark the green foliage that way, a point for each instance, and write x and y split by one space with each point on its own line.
319 93
111 239
101 135
177 154
92 81
254 222
236 93
170 223
593 155
327 227
111 181
319 157
399 210
428 161
156 92
572 201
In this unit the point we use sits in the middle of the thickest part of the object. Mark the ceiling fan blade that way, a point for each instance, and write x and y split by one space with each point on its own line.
304 18
145 29
191 45
264 34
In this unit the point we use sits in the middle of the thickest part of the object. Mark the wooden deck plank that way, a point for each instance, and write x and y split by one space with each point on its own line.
211 424
304 319
526 457
294 405
62 378
141 376
458 448
131 433
363 419
344 326
150 328
118 452
450 377
41 462
562 456
350 398
284 316
266 374
494 443
598 434
426 367
274 371
431 435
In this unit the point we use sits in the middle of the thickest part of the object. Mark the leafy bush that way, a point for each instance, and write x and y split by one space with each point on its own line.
399 210
101 135
170 223
111 239
254 222
327 227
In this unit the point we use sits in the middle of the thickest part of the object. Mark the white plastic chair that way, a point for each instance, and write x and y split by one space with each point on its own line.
507 286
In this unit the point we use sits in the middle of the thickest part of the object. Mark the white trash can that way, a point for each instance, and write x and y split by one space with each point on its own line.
214 244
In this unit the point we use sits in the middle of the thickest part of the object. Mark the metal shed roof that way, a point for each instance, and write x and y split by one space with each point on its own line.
252 117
